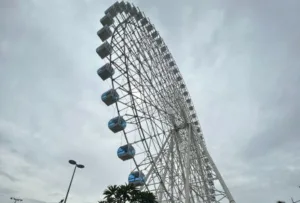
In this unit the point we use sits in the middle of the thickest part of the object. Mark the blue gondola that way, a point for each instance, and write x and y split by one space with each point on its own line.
106 71
117 124
110 97
137 178
126 152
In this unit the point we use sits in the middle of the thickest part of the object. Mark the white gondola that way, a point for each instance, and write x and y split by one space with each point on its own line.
139 16
110 97
122 6
137 178
149 28
117 124
163 49
144 21
104 33
133 11
167 56
128 8
113 9
104 50
106 71
159 41
107 20
126 152
154 34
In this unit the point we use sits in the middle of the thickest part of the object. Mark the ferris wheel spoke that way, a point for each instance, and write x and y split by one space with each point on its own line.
158 156
146 79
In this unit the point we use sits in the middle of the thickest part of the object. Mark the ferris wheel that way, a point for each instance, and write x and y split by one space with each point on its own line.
155 113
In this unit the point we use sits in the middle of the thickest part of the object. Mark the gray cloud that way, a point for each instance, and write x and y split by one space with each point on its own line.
238 58
5 174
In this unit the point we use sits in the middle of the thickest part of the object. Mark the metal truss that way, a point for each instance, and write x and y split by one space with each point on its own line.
162 122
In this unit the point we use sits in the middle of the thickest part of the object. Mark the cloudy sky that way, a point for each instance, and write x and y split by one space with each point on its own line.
239 59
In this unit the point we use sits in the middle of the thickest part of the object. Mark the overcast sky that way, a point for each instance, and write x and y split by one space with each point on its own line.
240 60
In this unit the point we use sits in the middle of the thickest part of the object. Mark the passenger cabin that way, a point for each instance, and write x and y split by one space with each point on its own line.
159 41
154 34
178 78
185 93
167 56
104 33
126 152
128 8
110 97
149 27
105 71
191 108
163 49
144 21
104 50
209 175
107 20
117 124
117 7
211 183
122 6
139 16
137 178
133 11
112 10
198 130
172 63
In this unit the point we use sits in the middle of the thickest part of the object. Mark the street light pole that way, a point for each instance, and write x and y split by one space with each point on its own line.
293 200
16 200
76 166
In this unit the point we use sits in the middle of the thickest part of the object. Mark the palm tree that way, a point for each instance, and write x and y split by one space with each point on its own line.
124 193
145 197
111 193
127 193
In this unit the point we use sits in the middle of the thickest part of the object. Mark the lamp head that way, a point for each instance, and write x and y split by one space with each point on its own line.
80 166
72 162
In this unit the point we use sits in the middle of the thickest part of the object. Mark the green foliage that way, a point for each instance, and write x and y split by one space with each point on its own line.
127 193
